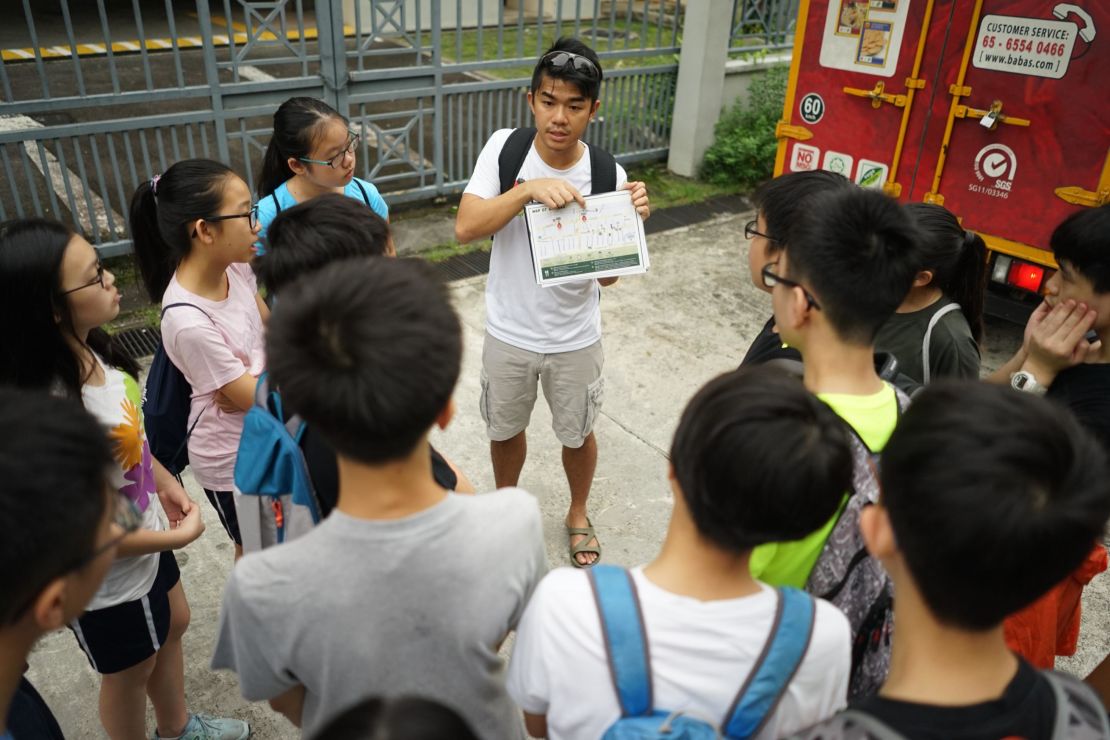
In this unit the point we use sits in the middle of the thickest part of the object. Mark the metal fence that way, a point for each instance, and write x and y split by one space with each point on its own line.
98 95
763 25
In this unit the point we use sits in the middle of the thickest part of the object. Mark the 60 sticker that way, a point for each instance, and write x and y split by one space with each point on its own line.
812 108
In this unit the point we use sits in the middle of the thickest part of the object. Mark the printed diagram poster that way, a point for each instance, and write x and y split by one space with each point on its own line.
864 35
604 239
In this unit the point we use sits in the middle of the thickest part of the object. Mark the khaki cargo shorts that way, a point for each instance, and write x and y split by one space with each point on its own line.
572 385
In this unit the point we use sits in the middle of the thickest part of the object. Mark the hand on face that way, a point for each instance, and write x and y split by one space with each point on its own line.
1056 336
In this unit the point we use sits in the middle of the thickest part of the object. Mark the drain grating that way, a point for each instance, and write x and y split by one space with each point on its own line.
139 342
463 266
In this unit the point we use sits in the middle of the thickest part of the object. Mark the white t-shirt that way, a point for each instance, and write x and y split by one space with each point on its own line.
701 653
211 351
118 406
560 318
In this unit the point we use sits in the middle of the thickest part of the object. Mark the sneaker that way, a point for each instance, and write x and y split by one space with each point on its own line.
203 727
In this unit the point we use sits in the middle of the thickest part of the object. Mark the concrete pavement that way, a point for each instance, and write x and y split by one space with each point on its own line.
666 334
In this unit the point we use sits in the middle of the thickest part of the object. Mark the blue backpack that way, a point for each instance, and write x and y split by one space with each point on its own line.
626 644
167 400
270 461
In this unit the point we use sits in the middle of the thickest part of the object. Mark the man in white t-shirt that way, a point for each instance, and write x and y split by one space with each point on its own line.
755 459
551 335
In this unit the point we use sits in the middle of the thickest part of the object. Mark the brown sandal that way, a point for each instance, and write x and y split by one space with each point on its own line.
588 536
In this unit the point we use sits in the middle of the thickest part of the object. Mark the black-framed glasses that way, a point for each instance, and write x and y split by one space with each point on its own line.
98 280
126 516
251 216
349 148
752 229
770 279
568 60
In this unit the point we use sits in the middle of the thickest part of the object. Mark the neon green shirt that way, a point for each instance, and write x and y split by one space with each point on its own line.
789 563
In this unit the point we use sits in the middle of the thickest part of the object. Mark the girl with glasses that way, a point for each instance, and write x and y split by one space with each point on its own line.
194 231
131 630
312 152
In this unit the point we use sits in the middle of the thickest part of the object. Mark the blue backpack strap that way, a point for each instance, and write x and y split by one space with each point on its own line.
622 627
782 654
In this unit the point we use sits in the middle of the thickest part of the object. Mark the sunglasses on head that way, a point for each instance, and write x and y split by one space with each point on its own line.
569 61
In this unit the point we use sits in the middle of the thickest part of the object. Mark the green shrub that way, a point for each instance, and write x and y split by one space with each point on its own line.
744 144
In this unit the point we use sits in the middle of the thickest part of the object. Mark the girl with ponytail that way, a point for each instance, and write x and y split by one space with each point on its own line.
312 152
59 295
194 229
936 331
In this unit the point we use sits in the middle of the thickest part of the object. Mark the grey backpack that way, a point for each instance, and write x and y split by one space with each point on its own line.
1079 716
846 575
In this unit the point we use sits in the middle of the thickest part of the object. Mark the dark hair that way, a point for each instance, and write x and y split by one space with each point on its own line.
957 258
309 235
760 459
162 211
36 353
855 250
404 718
782 200
995 496
368 352
54 464
297 126
1083 241
590 88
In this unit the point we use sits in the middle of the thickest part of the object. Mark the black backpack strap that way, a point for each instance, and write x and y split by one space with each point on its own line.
512 155
365 195
183 303
277 204
603 171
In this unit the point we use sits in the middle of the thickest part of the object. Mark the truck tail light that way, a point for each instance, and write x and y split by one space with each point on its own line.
1001 268
1026 276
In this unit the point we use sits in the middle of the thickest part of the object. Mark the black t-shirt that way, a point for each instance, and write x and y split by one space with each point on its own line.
1085 389
29 718
767 346
1026 709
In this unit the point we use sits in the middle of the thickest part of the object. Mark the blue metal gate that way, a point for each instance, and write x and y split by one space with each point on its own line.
101 94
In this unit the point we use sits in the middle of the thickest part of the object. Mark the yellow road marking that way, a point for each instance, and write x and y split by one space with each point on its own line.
240 37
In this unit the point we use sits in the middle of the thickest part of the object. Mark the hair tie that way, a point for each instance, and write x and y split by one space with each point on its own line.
154 185
969 236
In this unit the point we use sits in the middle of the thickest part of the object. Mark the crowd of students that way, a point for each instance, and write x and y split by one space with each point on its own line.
805 588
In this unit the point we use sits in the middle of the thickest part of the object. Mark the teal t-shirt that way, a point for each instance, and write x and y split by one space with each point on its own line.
789 563
281 199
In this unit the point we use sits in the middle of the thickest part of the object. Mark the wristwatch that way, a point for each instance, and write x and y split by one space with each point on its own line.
1024 381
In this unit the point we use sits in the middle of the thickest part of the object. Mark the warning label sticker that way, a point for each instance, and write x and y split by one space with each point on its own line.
1025 46
804 158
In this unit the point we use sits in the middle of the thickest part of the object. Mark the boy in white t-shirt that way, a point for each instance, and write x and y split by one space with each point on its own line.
551 335
755 459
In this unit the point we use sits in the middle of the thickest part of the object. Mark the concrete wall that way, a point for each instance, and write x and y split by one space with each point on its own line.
739 74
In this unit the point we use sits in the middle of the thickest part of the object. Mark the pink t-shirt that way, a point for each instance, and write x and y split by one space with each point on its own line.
211 351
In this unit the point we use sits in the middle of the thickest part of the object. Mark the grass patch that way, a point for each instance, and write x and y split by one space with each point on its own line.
447 250
666 189
476 45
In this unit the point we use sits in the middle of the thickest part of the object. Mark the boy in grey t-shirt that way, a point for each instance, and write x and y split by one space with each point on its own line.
406 588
